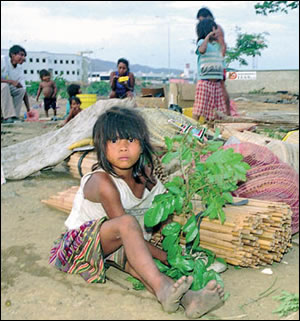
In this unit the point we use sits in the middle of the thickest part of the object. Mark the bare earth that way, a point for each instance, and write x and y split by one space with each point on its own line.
32 290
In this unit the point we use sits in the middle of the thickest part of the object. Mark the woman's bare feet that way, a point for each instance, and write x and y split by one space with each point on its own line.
169 296
197 303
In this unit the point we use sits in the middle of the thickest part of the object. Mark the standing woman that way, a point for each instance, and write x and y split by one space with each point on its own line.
122 81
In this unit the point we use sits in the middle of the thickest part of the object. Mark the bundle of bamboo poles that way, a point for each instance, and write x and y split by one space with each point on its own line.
62 201
257 233
81 161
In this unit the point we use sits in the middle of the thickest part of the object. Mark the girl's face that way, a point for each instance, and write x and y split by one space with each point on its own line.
74 104
123 153
122 69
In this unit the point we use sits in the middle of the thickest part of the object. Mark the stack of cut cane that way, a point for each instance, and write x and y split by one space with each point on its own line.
257 233
81 161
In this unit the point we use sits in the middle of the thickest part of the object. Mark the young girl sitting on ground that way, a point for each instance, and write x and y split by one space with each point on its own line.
99 223
122 81
74 110
72 90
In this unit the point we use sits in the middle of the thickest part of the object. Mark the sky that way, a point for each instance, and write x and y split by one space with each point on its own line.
158 34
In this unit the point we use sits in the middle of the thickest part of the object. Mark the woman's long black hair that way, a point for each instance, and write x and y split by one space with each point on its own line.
122 123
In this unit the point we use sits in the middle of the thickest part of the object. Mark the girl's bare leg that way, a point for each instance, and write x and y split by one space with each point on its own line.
126 231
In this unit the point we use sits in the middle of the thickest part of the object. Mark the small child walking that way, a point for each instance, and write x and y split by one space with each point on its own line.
100 222
49 90
209 96
75 109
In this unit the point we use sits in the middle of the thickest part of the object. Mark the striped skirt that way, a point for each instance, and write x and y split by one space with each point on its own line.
79 252
208 98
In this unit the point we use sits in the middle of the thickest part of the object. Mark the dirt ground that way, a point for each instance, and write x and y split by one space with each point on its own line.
32 290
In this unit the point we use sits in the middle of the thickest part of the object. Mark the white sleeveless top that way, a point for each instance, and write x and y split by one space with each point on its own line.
84 210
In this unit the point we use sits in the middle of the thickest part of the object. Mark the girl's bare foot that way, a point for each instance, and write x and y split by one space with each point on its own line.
197 303
169 296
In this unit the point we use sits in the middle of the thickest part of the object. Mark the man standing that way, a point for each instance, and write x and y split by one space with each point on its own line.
13 89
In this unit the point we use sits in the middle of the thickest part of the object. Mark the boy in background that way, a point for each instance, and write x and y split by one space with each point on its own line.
49 90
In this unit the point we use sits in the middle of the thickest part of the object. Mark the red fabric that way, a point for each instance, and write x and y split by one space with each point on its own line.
209 98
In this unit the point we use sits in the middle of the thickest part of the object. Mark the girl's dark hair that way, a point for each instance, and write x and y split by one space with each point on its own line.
44 73
15 49
204 27
73 90
122 123
205 13
124 61
78 101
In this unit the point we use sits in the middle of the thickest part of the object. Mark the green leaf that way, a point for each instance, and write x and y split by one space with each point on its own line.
178 203
171 228
190 224
153 216
162 267
169 242
169 156
172 188
191 235
169 143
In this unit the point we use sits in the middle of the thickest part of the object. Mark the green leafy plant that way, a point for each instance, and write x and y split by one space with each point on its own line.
213 180
289 303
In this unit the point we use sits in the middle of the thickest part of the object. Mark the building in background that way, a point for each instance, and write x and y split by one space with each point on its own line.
68 66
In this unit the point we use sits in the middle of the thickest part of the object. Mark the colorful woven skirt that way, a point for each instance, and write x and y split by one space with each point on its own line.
79 252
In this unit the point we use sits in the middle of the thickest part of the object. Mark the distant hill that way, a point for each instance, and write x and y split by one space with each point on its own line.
103 65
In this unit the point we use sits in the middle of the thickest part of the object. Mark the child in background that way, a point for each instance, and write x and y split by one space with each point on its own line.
122 81
72 90
209 95
99 223
74 110
49 90
205 13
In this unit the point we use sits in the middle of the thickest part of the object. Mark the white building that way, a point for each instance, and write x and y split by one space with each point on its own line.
69 66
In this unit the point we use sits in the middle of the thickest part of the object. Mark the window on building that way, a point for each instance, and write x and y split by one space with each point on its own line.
37 60
67 61
72 62
62 72
30 60
38 72
56 72
32 72
73 72
68 72
55 61
61 61
44 60
25 72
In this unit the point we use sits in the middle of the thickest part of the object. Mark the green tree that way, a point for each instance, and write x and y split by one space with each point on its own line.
267 7
249 45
